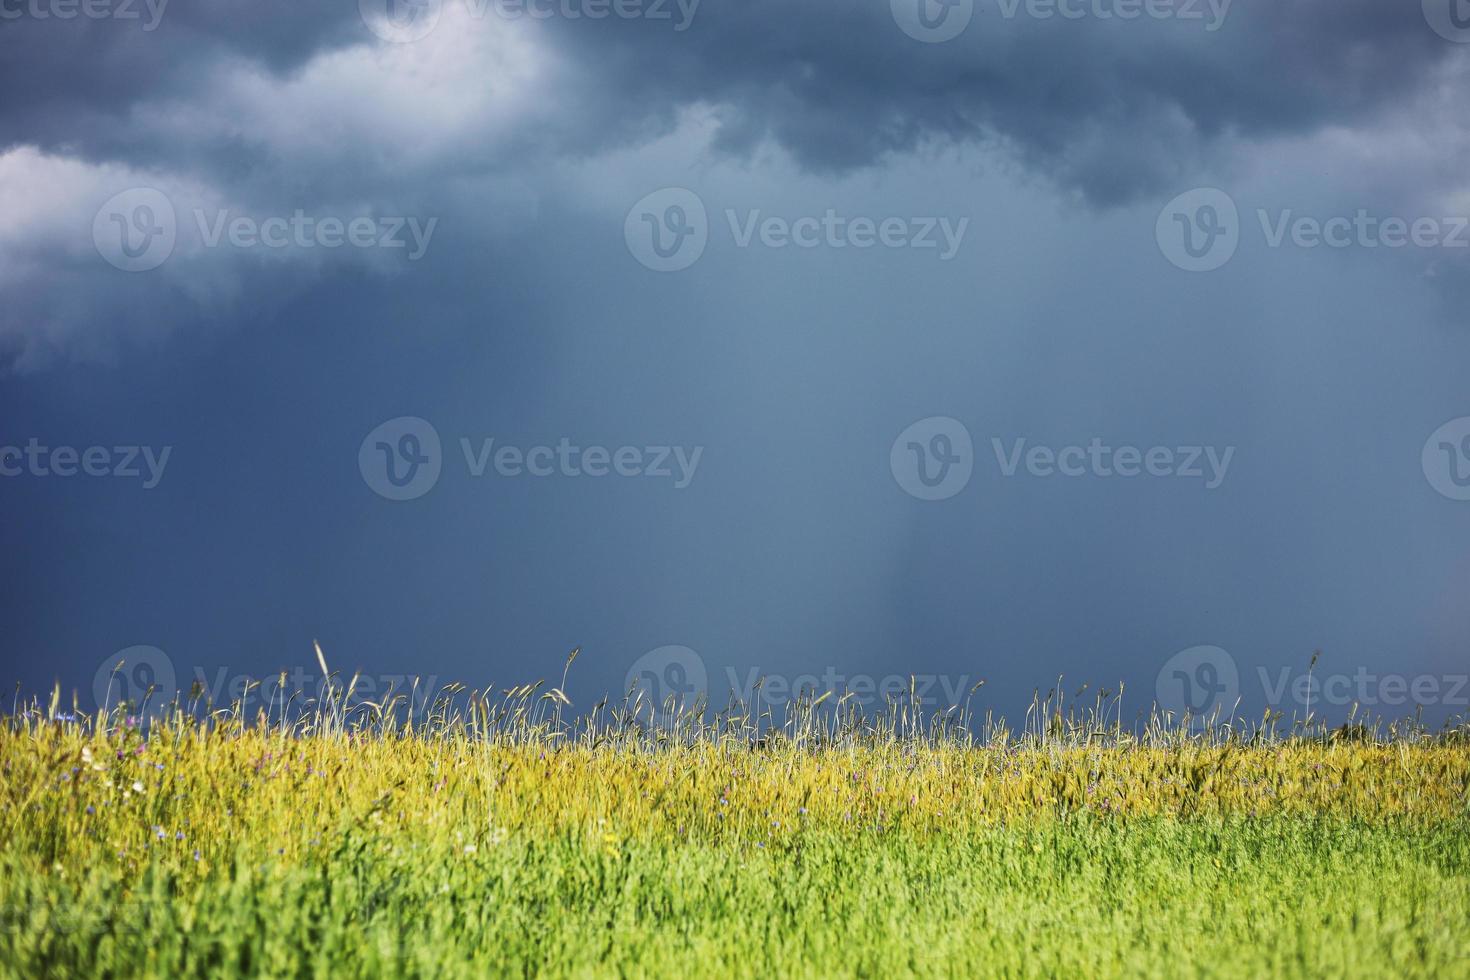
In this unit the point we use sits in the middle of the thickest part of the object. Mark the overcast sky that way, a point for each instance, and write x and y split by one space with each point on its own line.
1124 340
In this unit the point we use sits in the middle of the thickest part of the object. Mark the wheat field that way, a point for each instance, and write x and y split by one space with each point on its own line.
493 833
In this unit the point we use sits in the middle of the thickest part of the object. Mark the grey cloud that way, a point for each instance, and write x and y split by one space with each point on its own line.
231 98
1110 108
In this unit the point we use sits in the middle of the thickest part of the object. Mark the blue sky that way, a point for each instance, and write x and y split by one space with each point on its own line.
817 340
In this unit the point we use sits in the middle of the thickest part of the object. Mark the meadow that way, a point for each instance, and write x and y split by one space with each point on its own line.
494 835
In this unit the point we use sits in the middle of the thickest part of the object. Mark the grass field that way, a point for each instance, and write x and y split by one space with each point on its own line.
497 839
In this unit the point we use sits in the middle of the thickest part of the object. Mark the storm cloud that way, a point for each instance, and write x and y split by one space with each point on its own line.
351 215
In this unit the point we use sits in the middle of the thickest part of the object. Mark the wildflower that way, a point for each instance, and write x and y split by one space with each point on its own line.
137 786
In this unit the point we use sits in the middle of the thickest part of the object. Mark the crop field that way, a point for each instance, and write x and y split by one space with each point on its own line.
493 837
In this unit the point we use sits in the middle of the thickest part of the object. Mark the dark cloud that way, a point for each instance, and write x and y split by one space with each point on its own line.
1112 108
529 321
70 83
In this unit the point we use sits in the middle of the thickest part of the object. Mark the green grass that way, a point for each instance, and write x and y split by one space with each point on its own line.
494 838
1146 896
